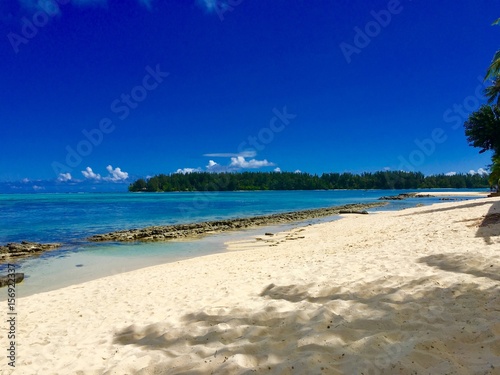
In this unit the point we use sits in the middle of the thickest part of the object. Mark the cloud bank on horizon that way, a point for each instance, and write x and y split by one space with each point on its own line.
115 175
238 161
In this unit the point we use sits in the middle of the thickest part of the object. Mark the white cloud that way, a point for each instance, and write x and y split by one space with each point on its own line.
277 169
116 174
25 180
212 166
240 162
36 187
450 174
64 177
88 173
480 171
297 171
187 170
245 154
387 168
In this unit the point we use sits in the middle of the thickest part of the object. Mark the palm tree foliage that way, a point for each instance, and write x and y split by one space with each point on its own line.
493 73
483 129
483 126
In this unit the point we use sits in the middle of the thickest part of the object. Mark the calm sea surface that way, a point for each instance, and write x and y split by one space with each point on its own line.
70 218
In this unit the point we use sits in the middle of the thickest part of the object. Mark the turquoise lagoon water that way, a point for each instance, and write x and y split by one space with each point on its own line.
70 218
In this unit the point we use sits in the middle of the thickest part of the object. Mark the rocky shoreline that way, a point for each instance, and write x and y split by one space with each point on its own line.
15 251
182 231
25 249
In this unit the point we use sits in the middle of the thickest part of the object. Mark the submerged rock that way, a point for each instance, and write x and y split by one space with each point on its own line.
11 279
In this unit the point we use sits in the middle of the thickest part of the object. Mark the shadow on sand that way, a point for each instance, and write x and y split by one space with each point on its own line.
443 209
488 226
362 329
466 264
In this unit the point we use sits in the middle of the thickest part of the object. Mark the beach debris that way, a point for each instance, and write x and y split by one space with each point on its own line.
16 250
11 279
268 234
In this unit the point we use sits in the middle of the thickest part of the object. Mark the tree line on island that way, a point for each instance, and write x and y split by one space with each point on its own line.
205 181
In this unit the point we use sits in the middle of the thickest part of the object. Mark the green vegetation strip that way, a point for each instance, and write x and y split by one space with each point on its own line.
204 181
179 231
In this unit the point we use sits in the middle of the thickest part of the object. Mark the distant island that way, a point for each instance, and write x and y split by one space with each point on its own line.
204 181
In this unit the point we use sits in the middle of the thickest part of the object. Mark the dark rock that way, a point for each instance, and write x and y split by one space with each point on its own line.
363 212
24 249
398 197
11 279
268 234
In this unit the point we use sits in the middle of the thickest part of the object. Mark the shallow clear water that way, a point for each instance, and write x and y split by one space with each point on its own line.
70 218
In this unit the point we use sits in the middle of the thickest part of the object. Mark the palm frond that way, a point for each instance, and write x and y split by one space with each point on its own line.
494 68
493 92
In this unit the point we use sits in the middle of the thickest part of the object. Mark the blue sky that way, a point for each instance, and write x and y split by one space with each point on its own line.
108 91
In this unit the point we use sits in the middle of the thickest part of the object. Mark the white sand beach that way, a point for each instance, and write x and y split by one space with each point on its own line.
415 291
